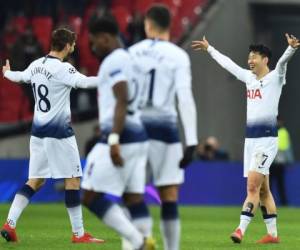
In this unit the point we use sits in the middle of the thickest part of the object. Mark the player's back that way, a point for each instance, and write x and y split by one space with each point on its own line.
51 84
166 67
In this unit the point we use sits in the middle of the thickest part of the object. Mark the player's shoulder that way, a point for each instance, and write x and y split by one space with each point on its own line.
165 48
139 45
67 67
177 54
37 61
117 57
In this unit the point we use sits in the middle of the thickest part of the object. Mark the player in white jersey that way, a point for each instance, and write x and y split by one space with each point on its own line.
117 163
53 148
263 94
167 76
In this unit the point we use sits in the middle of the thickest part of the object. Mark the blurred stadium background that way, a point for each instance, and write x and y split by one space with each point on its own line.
230 26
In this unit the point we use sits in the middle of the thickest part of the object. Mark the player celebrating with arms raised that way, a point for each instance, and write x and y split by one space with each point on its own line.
53 147
263 93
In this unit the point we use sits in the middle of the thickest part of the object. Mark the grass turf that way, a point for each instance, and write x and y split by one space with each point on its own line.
44 227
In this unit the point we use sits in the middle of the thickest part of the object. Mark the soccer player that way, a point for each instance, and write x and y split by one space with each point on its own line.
167 75
263 93
117 163
53 148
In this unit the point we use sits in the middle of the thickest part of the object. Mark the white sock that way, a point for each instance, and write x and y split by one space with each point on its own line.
19 203
271 225
75 214
144 225
244 222
171 233
116 219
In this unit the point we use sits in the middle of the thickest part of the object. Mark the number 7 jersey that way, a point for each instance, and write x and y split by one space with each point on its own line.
52 81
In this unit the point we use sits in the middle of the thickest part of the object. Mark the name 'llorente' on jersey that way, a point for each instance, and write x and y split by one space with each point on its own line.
262 95
115 68
51 81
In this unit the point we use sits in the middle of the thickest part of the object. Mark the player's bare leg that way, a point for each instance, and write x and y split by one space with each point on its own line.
268 208
20 202
72 201
254 183
170 222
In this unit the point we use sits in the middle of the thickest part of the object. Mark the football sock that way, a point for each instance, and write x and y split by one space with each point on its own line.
72 201
170 225
245 219
271 224
113 216
141 218
21 200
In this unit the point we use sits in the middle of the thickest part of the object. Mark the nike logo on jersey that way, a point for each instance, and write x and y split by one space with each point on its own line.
254 93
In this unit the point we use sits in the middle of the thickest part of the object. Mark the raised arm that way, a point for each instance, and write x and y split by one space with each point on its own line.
15 76
289 52
221 59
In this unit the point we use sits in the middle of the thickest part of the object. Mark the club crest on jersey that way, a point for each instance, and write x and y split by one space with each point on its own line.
72 70
254 93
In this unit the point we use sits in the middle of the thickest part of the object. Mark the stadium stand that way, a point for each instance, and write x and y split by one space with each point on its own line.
13 102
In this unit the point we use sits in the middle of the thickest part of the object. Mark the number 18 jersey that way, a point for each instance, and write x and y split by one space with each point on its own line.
51 81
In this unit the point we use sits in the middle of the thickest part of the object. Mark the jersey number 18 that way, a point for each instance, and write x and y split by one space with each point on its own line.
40 95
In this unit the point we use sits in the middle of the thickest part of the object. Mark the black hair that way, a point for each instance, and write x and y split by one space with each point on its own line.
61 37
261 49
160 15
103 24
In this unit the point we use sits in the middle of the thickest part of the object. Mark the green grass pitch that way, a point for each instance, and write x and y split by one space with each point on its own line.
44 227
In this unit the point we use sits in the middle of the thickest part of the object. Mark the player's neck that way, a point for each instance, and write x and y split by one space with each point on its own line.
262 73
165 36
60 55
115 45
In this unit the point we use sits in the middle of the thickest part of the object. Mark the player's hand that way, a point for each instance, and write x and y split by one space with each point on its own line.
187 157
292 41
6 67
200 45
115 155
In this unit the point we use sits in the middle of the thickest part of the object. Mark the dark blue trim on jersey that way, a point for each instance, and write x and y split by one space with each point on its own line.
162 131
113 73
130 134
257 131
52 130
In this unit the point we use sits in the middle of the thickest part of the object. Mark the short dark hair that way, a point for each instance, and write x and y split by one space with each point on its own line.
103 24
261 49
160 15
61 37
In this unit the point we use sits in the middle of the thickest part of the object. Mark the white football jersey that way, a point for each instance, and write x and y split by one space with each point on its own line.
115 68
262 95
51 81
166 69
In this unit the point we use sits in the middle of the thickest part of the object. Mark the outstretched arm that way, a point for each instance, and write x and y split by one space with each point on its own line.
221 59
86 82
71 77
289 52
15 76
